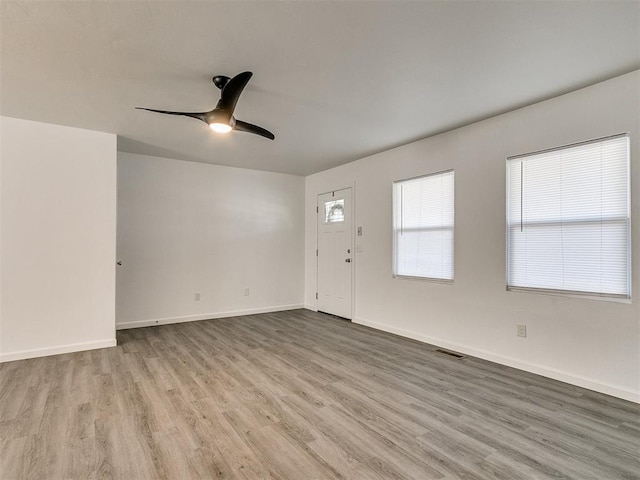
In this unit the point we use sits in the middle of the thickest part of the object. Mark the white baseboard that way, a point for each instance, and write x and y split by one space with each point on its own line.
310 307
204 316
565 377
45 352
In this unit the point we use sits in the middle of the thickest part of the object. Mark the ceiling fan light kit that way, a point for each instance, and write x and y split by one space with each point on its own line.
221 119
220 127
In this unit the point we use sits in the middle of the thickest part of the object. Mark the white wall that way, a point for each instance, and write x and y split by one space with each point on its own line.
591 343
186 228
58 220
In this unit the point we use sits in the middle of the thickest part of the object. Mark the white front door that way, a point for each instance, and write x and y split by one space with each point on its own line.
335 253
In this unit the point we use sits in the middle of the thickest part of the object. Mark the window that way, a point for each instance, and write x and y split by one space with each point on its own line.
568 219
334 211
423 226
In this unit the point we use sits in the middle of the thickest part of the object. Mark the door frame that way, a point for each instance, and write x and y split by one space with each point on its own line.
353 244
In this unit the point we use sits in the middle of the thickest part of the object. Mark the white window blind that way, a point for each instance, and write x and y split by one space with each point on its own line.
568 219
423 226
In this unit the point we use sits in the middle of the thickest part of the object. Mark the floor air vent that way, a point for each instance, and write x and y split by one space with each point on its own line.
451 354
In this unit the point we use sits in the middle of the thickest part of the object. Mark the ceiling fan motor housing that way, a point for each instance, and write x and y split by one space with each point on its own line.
220 115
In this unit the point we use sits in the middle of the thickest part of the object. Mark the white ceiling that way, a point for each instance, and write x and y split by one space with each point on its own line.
335 81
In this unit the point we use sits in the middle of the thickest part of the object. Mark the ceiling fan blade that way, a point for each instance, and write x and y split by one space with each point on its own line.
250 128
197 115
232 90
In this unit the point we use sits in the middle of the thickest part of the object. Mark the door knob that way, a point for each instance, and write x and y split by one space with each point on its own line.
348 260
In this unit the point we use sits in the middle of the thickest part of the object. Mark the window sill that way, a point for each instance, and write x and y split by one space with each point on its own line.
427 279
570 294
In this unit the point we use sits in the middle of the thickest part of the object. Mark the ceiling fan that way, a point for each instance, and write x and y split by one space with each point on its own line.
221 118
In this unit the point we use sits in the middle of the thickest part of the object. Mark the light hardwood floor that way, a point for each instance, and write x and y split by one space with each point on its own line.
300 395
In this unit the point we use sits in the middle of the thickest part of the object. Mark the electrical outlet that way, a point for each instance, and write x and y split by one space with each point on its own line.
246 292
196 297
522 330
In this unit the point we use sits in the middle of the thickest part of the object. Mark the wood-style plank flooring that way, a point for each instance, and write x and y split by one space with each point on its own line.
300 395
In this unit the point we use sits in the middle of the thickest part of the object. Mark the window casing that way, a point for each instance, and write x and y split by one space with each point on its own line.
423 227
568 219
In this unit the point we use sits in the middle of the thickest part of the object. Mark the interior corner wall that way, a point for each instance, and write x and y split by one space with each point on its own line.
57 239
187 229
590 343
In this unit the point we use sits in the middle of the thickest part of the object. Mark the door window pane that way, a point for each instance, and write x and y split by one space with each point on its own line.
334 211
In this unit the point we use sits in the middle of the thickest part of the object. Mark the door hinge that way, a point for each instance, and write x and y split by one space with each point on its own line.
316 252
317 210
316 295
